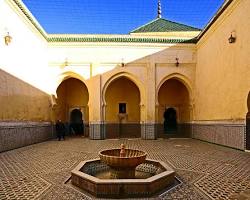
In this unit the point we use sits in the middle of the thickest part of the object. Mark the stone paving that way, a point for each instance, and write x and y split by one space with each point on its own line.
207 171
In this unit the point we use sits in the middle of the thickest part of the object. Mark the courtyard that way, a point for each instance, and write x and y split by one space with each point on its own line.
165 85
206 171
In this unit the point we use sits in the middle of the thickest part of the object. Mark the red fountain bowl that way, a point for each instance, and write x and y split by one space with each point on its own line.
131 159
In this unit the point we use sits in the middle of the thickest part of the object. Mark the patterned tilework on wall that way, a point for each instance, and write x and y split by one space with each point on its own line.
126 130
247 133
231 135
97 131
18 134
148 131
183 131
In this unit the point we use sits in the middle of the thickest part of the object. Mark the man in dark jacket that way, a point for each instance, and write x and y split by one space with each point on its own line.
60 130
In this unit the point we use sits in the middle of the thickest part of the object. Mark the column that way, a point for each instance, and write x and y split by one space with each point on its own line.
148 127
96 123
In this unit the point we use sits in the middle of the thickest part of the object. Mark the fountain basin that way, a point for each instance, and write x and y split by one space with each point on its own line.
151 177
131 159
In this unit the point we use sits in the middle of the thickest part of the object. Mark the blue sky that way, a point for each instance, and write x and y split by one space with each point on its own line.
116 16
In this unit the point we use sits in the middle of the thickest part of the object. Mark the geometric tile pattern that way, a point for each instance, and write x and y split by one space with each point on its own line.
231 135
148 131
18 134
96 131
22 187
226 180
207 171
16 182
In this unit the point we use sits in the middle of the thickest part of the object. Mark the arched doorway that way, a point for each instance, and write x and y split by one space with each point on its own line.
122 112
248 123
174 109
170 120
76 122
72 104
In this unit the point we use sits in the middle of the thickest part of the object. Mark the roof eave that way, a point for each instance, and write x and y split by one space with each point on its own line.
214 18
115 39
29 16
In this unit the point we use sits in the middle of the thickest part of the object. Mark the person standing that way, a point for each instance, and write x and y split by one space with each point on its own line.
60 130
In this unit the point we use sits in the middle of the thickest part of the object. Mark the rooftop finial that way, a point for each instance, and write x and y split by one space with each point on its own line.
159 9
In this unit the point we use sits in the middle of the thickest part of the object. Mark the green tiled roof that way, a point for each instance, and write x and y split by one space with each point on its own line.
163 25
119 39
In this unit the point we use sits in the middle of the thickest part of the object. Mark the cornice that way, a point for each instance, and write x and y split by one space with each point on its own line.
117 39
29 17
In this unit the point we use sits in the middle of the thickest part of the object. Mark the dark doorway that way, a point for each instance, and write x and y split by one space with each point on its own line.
248 124
76 122
122 108
170 121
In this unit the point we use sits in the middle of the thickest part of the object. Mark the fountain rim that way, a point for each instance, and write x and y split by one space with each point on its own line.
125 157
77 171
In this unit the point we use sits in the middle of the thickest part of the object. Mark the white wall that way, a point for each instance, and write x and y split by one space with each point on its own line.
26 56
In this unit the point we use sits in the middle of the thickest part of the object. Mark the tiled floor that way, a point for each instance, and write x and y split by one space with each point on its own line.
207 171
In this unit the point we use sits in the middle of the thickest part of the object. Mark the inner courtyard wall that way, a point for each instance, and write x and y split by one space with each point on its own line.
25 112
223 78
23 63
146 65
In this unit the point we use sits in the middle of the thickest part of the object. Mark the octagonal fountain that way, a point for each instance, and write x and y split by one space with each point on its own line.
122 173
122 162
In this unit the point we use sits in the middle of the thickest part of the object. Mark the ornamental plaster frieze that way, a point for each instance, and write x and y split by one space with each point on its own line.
64 64
221 122
173 64
14 124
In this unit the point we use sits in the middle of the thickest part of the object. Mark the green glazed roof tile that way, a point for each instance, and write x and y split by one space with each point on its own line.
163 25
120 39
